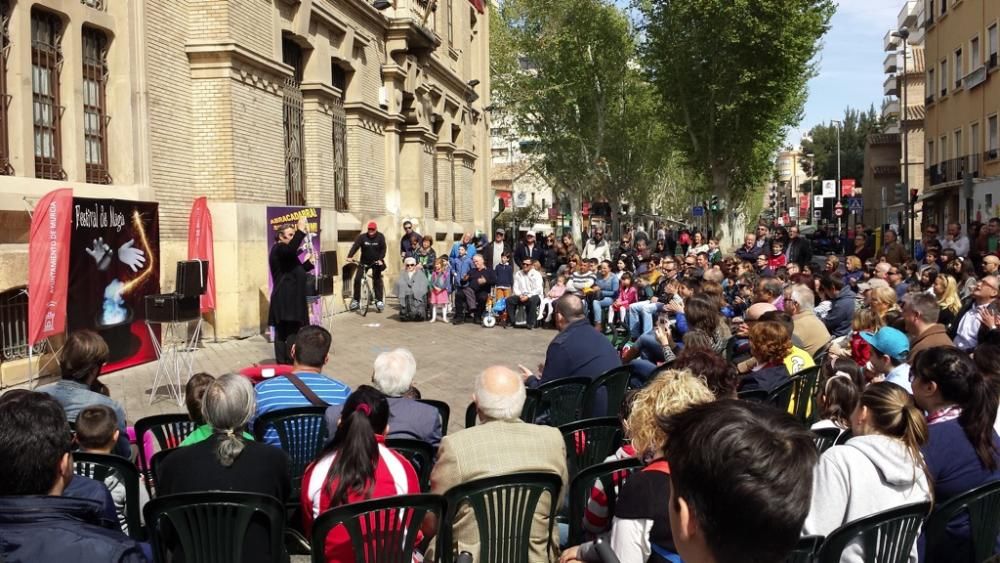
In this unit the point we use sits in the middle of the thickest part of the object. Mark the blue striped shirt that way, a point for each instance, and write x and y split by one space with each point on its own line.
279 393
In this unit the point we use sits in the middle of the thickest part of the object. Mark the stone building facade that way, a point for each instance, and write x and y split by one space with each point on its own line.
369 114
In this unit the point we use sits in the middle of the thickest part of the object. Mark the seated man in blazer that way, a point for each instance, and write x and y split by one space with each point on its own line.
393 375
500 445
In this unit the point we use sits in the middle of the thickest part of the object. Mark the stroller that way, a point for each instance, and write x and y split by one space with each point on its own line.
494 309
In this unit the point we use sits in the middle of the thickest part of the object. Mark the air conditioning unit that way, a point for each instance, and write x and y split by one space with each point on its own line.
383 97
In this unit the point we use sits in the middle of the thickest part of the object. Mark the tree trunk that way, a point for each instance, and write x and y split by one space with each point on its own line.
614 231
729 224
576 215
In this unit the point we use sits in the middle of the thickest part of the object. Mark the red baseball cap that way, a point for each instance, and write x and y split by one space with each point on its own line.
372 225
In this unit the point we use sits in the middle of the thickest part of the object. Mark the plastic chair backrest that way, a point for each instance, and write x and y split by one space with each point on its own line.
561 401
471 415
169 430
100 467
612 475
302 431
805 550
156 464
444 412
983 507
825 438
211 526
504 508
382 530
781 396
885 537
804 397
615 383
420 454
755 395
590 441
821 355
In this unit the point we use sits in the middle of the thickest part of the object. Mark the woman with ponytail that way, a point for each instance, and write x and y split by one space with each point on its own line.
840 385
963 451
880 468
228 461
355 466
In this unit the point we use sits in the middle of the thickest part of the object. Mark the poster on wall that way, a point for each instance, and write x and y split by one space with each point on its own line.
114 264
285 216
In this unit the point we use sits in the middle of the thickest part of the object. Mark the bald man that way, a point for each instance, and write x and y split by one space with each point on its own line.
499 445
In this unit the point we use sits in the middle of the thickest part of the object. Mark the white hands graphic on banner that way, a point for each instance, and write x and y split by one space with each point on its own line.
101 253
132 257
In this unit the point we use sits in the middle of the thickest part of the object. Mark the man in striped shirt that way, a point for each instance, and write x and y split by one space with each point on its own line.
310 352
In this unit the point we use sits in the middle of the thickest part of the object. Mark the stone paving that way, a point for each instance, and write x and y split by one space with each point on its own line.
448 359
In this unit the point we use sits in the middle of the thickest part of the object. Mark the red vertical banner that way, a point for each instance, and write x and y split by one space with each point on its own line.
48 265
847 187
201 246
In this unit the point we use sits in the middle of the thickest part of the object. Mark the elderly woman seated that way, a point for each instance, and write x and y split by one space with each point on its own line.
412 291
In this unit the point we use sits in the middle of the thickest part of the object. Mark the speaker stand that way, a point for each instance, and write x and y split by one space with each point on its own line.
175 357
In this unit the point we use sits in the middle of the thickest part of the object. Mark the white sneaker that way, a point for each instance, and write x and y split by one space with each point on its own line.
379 306
355 305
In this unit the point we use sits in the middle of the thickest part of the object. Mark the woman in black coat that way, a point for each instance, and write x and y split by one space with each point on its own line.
288 311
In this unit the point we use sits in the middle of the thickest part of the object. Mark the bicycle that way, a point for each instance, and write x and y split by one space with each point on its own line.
367 294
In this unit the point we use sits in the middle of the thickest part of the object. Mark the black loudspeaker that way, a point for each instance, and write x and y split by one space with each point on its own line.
172 308
324 285
192 277
328 263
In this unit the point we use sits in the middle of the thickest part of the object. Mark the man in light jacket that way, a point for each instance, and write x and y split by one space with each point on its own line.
597 247
528 287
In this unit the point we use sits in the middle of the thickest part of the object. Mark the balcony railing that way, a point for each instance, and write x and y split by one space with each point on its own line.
908 14
975 78
954 170
934 174
991 154
891 86
890 42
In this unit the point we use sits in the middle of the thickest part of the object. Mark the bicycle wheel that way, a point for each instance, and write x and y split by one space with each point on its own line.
366 296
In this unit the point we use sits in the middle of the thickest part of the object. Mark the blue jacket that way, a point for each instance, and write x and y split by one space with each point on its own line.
578 350
609 286
461 267
408 419
838 320
50 529
470 250
74 396
504 274
765 379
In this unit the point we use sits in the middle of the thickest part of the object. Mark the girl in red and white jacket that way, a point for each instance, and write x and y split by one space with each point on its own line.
355 466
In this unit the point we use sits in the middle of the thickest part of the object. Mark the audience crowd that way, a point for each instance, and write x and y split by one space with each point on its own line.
897 359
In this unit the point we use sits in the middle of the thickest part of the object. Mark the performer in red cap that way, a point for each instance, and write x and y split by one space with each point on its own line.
372 246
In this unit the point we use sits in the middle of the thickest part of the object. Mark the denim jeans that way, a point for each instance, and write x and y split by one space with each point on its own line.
640 317
599 306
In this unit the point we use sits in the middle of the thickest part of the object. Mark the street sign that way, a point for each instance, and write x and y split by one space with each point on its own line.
829 188
817 213
698 211
838 211
793 212
817 201
855 204
847 187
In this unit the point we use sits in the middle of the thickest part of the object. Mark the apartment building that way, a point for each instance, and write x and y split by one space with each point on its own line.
515 177
963 102
368 110
792 183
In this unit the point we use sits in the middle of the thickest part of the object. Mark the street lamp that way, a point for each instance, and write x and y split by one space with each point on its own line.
811 157
840 124
904 34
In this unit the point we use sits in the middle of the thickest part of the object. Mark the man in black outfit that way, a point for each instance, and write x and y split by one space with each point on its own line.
372 246
404 243
528 249
477 291
288 311
799 248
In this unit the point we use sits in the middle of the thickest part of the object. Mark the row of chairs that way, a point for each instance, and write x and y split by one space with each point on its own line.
888 536
385 530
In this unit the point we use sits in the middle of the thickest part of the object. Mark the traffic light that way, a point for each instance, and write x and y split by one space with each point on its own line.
715 203
900 192
913 196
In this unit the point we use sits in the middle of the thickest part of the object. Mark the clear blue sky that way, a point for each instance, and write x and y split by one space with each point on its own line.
850 63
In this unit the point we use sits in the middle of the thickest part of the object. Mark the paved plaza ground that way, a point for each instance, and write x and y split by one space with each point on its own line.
448 359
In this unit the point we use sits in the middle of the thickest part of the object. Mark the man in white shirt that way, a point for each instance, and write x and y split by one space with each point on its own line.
527 290
597 248
956 240
967 331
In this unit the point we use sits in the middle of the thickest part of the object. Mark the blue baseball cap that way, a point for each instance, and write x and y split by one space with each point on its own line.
889 341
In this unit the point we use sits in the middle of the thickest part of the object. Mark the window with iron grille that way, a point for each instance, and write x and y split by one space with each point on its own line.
5 167
340 195
95 113
46 63
292 120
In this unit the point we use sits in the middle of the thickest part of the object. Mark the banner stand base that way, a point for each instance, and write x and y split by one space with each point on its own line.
175 358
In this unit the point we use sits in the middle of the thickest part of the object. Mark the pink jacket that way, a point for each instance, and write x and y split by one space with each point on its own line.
627 297
556 291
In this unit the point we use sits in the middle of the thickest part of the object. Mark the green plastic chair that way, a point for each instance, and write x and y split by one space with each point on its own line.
612 475
781 396
169 430
822 354
561 401
825 438
302 431
531 399
419 453
805 550
982 505
211 526
615 383
885 537
444 412
99 467
504 508
590 441
382 530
